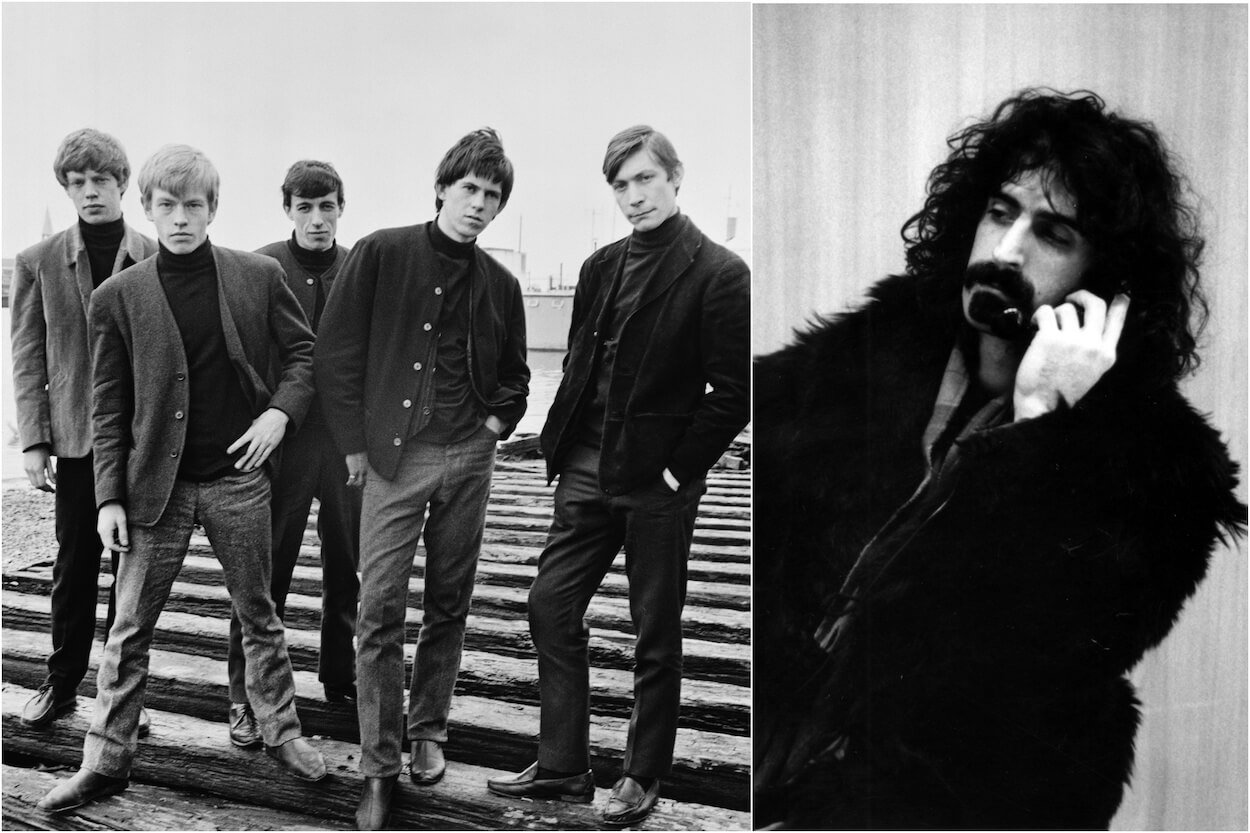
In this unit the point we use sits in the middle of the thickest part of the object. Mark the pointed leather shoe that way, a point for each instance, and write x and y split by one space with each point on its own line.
376 796
426 764
244 730
46 706
300 759
630 803
86 786
578 789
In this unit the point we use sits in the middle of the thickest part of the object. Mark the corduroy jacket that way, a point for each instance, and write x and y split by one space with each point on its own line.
680 387
141 391
51 290
373 367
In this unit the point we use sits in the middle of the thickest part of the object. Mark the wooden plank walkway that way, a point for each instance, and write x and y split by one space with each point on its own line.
187 776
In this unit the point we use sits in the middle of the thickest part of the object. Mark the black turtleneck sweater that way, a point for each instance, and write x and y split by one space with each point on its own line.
316 263
217 413
457 411
646 250
102 241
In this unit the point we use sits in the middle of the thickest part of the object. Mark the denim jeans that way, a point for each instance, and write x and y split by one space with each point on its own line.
76 575
234 511
311 465
454 482
588 529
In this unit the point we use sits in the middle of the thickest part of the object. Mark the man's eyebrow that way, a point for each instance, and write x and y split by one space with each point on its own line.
1052 216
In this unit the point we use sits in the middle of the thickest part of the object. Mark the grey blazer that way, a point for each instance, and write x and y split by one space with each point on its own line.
51 353
141 392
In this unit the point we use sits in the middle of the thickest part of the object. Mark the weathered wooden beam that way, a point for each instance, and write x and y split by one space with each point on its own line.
727 662
143 807
493 601
708 767
185 752
706 705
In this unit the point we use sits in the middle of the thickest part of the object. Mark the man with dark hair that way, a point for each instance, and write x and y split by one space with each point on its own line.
310 464
421 369
981 497
656 385
187 407
52 282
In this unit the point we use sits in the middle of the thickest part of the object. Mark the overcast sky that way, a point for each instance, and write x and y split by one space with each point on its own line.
381 90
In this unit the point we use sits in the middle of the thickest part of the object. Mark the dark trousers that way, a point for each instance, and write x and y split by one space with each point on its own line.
655 525
76 574
312 466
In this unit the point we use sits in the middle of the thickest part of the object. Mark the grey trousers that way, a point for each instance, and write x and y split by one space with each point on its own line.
234 511
453 481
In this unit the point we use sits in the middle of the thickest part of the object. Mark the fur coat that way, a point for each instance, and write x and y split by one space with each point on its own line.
982 681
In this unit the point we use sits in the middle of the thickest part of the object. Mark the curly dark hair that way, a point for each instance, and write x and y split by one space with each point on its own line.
1132 203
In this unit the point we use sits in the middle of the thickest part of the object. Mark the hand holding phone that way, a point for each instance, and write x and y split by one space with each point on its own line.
1074 347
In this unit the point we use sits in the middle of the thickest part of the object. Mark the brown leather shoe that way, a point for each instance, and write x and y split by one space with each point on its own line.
47 705
376 796
300 759
426 764
578 789
630 803
244 730
86 786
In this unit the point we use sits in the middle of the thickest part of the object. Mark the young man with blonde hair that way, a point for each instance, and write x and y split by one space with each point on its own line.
187 408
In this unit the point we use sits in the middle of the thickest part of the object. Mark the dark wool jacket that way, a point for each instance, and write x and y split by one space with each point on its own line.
375 343
689 330
982 682
139 369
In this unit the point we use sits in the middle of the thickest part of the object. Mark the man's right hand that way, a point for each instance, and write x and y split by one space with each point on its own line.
114 533
38 465
356 466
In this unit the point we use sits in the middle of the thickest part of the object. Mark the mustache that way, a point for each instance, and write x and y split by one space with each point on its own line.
1010 282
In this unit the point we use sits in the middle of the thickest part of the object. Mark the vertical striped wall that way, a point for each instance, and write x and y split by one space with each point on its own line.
851 108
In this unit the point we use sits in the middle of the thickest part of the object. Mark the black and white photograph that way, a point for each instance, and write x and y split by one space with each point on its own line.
375 398
999 308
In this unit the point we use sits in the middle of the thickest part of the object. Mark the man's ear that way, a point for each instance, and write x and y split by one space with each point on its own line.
676 176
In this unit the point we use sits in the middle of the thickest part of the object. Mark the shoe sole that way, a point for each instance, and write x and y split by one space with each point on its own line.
102 794
580 798
256 744
626 822
426 781
57 713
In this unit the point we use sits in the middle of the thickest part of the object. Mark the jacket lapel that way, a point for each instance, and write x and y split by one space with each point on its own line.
230 283
677 259
156 318
78 265
130 252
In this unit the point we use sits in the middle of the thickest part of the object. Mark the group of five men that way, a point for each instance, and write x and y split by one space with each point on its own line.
179 383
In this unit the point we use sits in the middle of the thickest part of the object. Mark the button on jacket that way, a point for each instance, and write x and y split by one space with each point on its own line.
376 343
140 371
